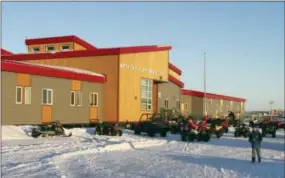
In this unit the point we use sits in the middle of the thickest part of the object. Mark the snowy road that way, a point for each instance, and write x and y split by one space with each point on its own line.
133 156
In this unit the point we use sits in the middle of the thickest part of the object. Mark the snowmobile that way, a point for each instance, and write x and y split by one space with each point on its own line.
191 132
242 131
107 129
53 129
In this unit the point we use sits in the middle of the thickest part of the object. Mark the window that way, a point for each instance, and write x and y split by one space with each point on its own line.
177 104
93 99
186 107
75 98
72 98
65 47
47 96
28 95
78 98
146 94
166 103
36 49
206 107
50 48
19 94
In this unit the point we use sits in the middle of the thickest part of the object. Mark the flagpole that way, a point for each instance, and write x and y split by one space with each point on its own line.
205 94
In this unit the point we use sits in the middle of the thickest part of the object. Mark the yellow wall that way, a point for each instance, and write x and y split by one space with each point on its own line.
129 80
74 46
174 74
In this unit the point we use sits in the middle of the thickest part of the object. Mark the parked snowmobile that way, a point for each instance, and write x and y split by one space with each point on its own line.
242 131
108 129
53 129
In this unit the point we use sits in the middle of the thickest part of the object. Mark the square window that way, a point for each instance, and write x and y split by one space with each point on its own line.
47 96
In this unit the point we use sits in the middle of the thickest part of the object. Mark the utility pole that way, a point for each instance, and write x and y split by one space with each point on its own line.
205 94
271 103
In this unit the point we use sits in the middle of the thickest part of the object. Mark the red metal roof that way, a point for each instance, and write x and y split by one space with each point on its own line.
13 66
5 52
174 68
211 95
87 53
175 81
60 39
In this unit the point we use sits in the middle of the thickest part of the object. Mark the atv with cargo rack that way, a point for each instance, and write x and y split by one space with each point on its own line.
151 124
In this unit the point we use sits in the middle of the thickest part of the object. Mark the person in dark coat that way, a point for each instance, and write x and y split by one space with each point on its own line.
255 139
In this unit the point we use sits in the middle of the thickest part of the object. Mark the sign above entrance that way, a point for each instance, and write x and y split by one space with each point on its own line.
141 69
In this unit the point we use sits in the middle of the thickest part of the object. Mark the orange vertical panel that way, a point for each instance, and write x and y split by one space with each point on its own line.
93 114
23 80
78 85
155 98
75 85
46 114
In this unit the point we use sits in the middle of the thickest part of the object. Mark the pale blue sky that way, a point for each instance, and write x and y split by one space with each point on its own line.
244 41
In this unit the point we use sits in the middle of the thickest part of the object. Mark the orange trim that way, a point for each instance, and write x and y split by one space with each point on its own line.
75 85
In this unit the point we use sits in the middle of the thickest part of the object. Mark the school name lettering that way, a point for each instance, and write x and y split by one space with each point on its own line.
140 69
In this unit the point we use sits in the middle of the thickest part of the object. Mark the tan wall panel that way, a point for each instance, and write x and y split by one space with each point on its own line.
107 65
13 113
23 80
130 80
78 47
188 100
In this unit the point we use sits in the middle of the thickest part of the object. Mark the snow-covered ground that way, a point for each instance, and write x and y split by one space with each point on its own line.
131 156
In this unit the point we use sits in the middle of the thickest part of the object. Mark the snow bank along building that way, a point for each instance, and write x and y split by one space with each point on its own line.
126 82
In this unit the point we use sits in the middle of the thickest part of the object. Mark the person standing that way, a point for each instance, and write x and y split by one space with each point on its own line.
255 139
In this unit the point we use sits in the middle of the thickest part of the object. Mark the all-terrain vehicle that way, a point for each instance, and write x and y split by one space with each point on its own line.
191 132
268 128
151 124
215 127
52 129
242 130
223 123
107 129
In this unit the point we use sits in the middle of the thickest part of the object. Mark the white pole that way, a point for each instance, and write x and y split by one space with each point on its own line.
271 103
205 95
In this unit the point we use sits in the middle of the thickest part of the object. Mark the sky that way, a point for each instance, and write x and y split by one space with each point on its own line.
243 41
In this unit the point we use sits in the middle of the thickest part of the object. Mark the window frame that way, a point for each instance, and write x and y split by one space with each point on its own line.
30 98
91 97
47 46
69 45
19 102
148 100
47 89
